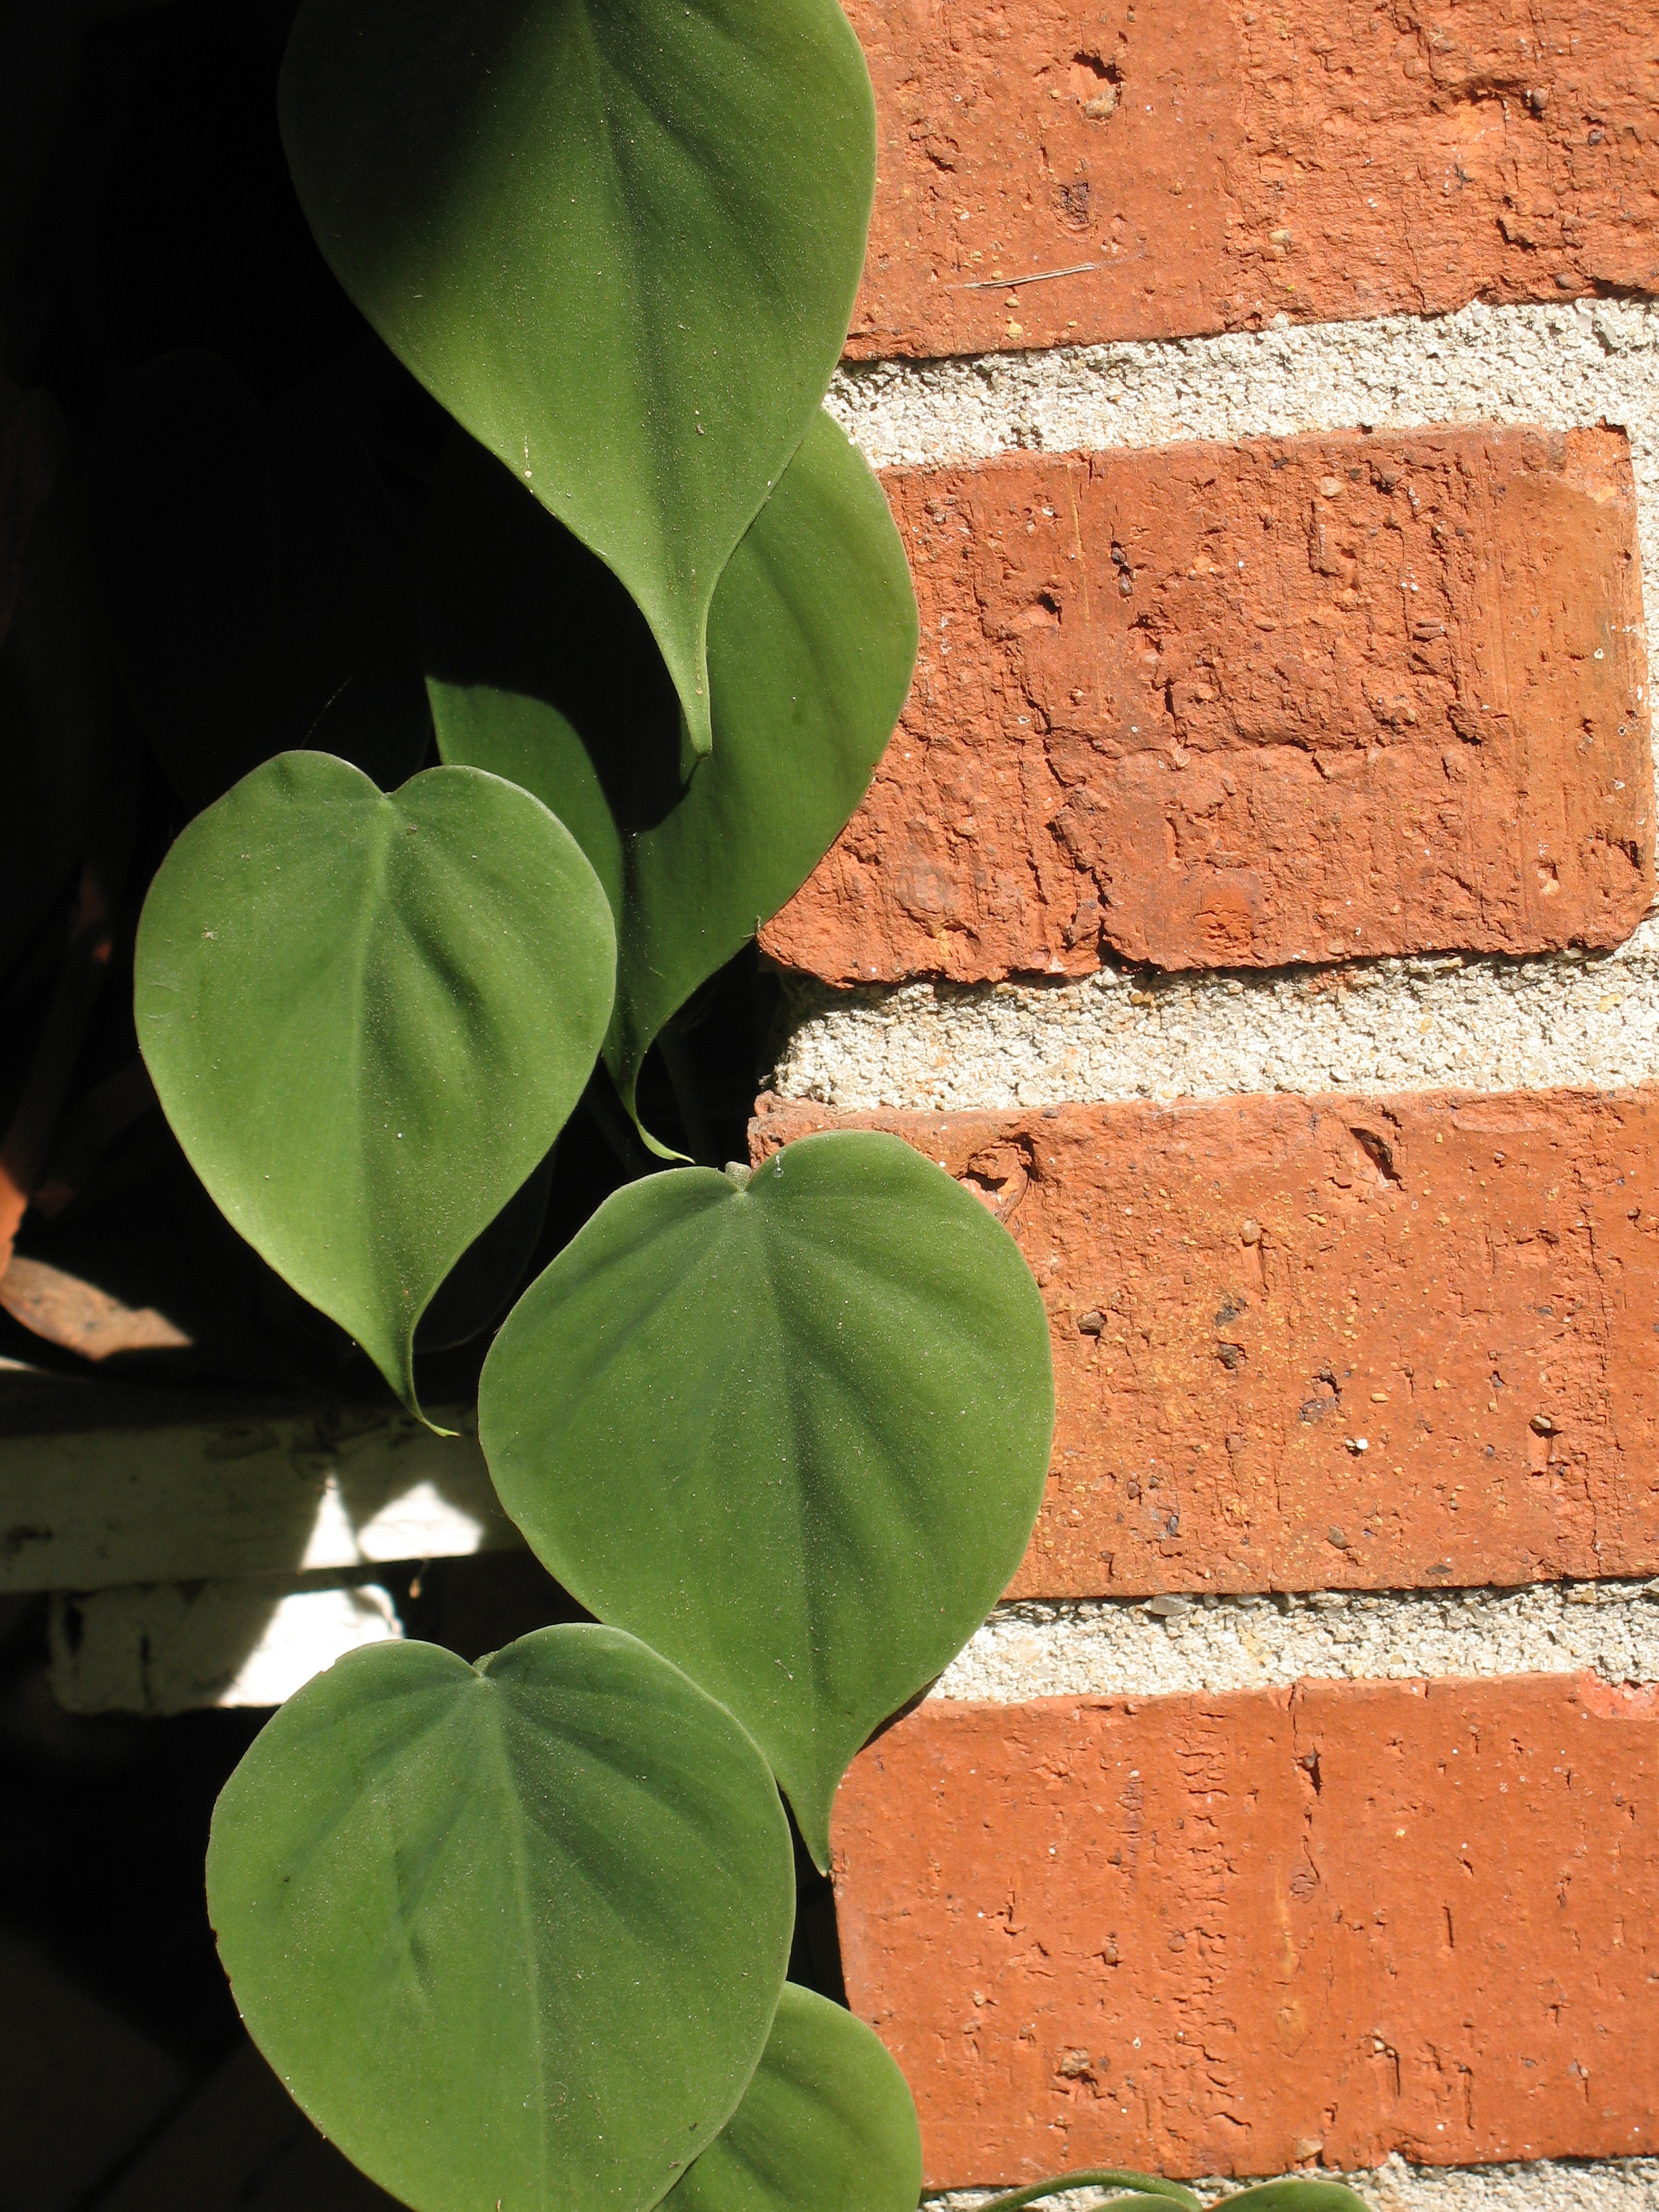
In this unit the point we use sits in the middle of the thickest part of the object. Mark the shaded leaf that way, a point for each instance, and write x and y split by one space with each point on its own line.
513 1931
619 242
541 669
257 588
827 2124
367 1018
795 1434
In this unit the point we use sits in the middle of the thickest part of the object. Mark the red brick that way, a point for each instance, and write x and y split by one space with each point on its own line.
1207 706
1343 158
1224 1934
1240 1291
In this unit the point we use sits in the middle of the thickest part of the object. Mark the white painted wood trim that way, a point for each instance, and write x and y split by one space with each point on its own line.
103 1487
175 1647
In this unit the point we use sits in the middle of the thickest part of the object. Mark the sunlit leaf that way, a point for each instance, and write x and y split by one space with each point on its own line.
367 1018
827 2124
512 1932
794 1435
1298 2193
541 669
255 583
618 240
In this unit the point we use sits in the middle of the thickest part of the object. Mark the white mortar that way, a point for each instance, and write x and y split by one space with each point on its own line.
1392 1025
1117 1647
1475 1024
1547 2185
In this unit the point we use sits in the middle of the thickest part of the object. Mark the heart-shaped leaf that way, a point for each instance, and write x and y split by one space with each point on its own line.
541 669
367 1018
827 2124
256 583
618 240
507 1933
793 1434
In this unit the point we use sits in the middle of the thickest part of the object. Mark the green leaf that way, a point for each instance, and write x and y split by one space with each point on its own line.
541 669
1156 2199
367 1018
507 1933
826 2125
794 1435
618 240
256 584
1298 2193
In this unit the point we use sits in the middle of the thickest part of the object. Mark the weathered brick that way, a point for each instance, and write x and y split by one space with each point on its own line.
1226 1934
1344 1342
1203 164
1206 706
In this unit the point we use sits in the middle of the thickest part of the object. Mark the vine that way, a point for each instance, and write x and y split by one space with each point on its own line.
517 1934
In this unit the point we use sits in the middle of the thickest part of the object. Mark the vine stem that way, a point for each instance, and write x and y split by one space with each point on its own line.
613 1124
1104 2178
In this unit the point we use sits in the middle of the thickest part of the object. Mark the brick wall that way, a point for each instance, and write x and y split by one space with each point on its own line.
1251 909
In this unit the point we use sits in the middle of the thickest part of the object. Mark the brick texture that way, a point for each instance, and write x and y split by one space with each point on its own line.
1241 1292
1227 1934
1203 164
1208 706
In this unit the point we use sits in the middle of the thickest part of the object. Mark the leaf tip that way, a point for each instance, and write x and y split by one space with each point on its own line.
697 728
813 1820
400 1377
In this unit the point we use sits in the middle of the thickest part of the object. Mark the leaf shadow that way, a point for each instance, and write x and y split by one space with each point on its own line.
527 609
